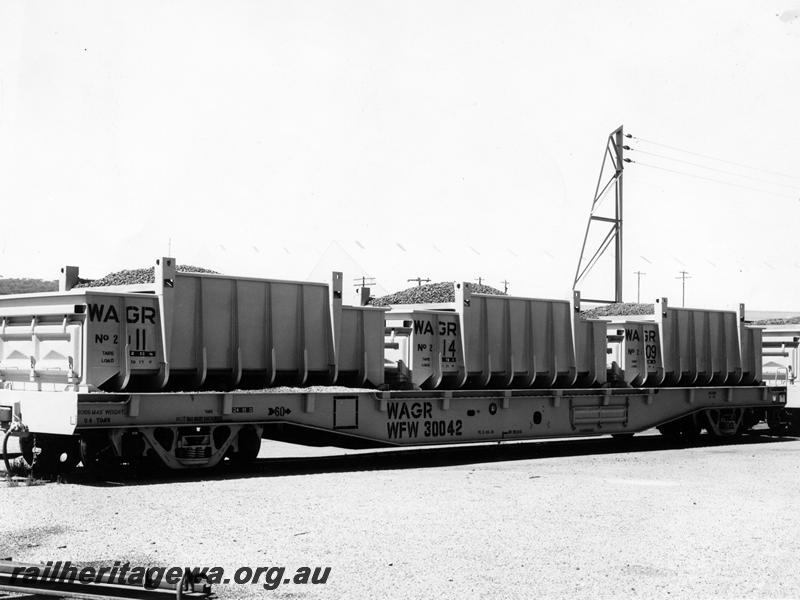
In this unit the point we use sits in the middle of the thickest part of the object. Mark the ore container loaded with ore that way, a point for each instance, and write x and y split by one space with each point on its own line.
188 331
495 341
190 369
687 346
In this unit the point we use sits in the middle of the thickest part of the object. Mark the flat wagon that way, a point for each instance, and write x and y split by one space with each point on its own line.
195 368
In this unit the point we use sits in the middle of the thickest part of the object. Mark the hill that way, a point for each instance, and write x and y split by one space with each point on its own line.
25 286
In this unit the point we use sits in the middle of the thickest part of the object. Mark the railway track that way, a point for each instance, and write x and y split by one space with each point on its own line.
417 458
31 581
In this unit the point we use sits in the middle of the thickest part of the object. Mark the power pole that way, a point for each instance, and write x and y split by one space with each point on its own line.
618 213
419 280
364 281
505 286
683 277
612 156
638 284
479 280
363 284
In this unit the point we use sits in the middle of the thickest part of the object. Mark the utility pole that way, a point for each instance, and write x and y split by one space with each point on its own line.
613 164
363 284
618 134
419 280
364 281
505 286
638 284
684 276
479 280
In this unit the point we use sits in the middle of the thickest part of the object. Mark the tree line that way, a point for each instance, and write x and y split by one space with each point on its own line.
25 285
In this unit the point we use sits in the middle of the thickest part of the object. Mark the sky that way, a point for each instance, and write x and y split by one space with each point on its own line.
440 139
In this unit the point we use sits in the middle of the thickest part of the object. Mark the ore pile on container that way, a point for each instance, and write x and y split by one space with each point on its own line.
431 293
620 309
134 276
778 321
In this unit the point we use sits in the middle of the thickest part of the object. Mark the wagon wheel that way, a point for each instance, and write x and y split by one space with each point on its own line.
20 465
248 446
778 421
48 455
723 423
59 454
26 448
98 454
682 431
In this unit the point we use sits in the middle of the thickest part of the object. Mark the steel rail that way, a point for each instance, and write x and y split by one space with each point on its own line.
19 577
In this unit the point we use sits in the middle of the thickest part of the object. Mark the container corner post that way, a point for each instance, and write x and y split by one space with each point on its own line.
68 278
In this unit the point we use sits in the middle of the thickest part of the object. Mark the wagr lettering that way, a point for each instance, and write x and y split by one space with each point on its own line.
426 327
632 335
133 314
416 410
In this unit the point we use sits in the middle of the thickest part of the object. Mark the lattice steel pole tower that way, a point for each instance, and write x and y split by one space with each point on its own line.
612 156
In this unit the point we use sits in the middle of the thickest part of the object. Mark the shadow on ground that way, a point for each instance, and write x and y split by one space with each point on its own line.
415 458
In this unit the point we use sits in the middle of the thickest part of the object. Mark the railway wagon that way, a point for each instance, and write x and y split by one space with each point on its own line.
780 365
191 369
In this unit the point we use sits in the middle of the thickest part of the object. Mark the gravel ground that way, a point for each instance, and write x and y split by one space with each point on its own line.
582 519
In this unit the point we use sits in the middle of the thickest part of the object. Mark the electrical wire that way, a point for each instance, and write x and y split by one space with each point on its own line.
685 174
730 162
688 162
